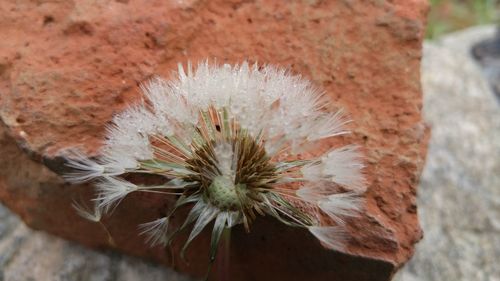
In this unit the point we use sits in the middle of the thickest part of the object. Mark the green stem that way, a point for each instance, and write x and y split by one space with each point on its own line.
223 264
222 270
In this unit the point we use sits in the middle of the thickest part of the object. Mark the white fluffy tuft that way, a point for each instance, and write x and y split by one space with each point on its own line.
342 166
341 205
156 231
83 168
333 236
85 212
111 190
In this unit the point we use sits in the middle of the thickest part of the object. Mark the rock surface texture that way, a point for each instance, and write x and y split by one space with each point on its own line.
67 67
459 195
30 255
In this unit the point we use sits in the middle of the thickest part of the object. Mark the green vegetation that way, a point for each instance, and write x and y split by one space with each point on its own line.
450 15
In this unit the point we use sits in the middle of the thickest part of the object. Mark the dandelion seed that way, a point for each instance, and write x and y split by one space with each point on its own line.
156 231
111 190
341 205
84 169
227 141
342 166
333 236
93 215
85 212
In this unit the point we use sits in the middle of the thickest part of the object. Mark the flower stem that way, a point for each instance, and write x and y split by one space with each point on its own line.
223 264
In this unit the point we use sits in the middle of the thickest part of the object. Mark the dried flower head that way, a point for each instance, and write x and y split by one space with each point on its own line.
233 142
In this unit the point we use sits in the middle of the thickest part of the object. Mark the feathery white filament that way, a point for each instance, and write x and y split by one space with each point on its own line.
87 213
111 163
341 205
84 168
225 158
333 236
205 217
342 166
111 190
156 231
265 99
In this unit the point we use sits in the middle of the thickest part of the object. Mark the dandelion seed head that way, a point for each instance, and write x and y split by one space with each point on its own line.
228 141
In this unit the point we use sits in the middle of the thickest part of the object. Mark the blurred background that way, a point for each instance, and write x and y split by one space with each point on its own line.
451 15
459 193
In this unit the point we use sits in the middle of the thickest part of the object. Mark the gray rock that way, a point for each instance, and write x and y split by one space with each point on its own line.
459 194
462 41
475 40
27 255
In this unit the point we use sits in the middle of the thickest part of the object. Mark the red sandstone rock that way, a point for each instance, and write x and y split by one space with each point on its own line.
67 67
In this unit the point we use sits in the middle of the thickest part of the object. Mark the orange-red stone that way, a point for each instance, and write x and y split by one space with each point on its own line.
66 67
